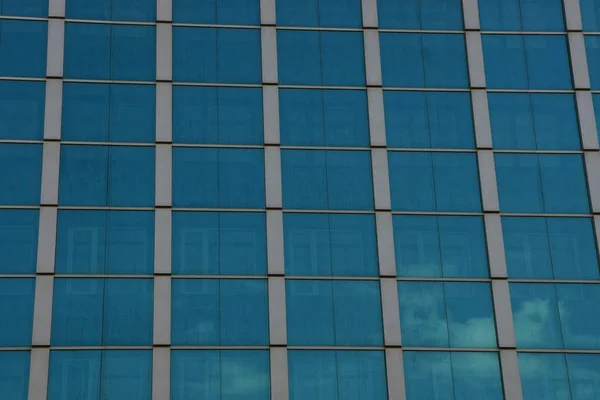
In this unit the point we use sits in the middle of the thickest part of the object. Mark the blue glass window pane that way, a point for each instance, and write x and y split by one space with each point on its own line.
133 10
420 14
573 248
417 247
244 314
500 15
195 114
512 121
504 57
86 112
535 316
74 374
130 242
238 367
353 245
402 59
128 312
590 14
349 180
583 374
301 116
131 176
298 13
23 48
313 375
428 375
304 179
132 113
14 370
342 58
476 375
547 62
126 374
82 9
241 178
527 248
444 61
83 175
463 247
310 312
346 120
194 54
25 8
22 106
81 242
544 15
77 312
592 49
16 311
18 241
519 185
357 313
235 45
450 120
361 375
299 57
133 53
406 119
20 173
307 244
195 312
195 177
423 314
456 182
339 14
544 376
228 12
243 247
563 183
196 243
579 315
87 51
240 118
411 181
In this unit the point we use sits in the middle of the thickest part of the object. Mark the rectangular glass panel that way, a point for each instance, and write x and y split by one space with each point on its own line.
349 180
195 309
445 61
504 57
240 116
342 58
346 121
126 374
590 14
81 242
14 374
234 45
527 248
194 54
547 62
417 245
406 119
357 313
411 181
132 113
420 14
245 375
243 247
353 245
22 106
456 180
86 112
74 374
476 375
241 178
16 311
579 315
555 119
87 51
83 175
301 117
20 174
500 15
25 8
307 244
428 375
196 243
18 241
310 312
361 375
542 15
23 48
133 53
512 121
544 376
244 314
519 183
195 177
402 59
130 242
304 179
195 374
563 183
299 57
195 114
228 12
131 176
298 13
573 248
583 374
450 120
463 247
312 374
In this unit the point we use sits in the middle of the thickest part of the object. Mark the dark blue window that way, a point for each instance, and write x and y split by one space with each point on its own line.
20 174
225 12
224 178
223 115
24 8
521 15
330 245
22 106
327 313
590 14
102 113
226 312
18 241
592 48
319 179
428 119
319 13
424 60
23 48
320 58
16 311
323 117
445 246
196 59
206 243
117 10
102 51
420 14
14 370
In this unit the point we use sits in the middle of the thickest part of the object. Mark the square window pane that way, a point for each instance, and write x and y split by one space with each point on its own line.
573 248
310 313
406 119
463 247
304 179
423 314
133 113
361 375
126 374
428 375
342 58
86 112
456 180
411 181
555 119
195 114
299 57
83 175
243 247
16 311
444 60
18 241
547 62
563 183
74 373
241 178
131 176
20 174
87 51
353 245
234 45
302 117
519 184
313 374
22 106
23 48
544 376
357 313
450 120
195 177
512 122
238 367
346 120
542 15
81 242
349 180
14 374
244 312
417 246
476 375
579 315
504 57
583 374
307 244
133 53
240 118
402 59
194 54
527 248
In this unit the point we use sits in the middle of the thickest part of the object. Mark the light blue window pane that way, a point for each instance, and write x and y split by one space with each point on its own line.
87 51
126 374
299 57
241 178
423 314
357 313
133 53
128 312
20 173
244 314
228 12
346 120
23 48
416 245
445 61
132 113
195 177
82 9
235 45
592 49
307 244
544 15
240 116
392 14
301 116
402 59
406 119
131 176
519 184
342 58
476 375
304 179
86 112
16 311
563 183
194 54
547 62
361 375
424 14
196 243
77 312
83 175
195 114
573 248
18 241
22 110
512 121
527 248
456 182
590 14
310 313
14 369
428 375
500 15
353 245
243 247
298 12
504 57
313 374
579 315
535 315
544 376
195 312
349 180
340 14
463 247
450 120
196 374
583 375
25 8
245 375
130 242
74 374
81 242
411 181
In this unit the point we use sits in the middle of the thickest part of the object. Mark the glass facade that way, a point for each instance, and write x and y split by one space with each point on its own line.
299 199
